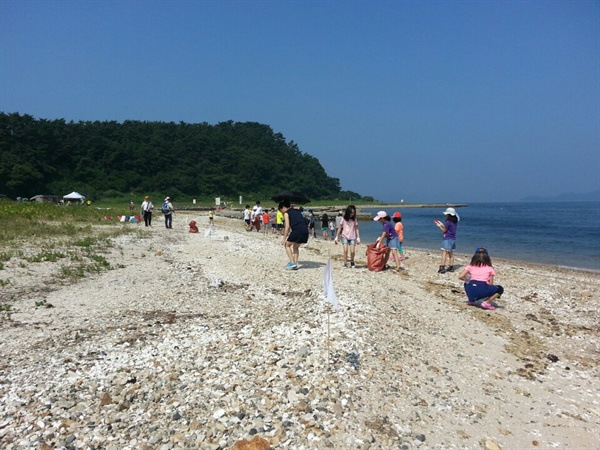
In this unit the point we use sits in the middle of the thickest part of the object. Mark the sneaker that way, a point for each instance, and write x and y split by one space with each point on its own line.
442 269
295 267
352 264
450 269
345 265
290 266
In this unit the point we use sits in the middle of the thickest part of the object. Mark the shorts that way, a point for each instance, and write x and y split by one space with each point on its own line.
273 225
325 228
298 237
449 245
247 221
280 226
348 241
393 243
480 290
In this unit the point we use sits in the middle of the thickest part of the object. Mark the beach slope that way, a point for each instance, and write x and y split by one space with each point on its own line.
196 341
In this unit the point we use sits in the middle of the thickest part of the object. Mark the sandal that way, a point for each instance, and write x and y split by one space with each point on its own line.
487 306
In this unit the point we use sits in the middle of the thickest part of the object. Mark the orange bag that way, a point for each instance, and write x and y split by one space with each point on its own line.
376 257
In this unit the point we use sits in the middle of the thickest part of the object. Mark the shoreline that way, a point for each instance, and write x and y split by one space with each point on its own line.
200 342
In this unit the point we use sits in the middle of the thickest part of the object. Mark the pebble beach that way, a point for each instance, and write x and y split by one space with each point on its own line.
197 341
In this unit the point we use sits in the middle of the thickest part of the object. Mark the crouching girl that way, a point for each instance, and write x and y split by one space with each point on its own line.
479 281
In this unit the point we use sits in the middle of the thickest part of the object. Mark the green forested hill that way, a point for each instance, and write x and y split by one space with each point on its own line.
101 159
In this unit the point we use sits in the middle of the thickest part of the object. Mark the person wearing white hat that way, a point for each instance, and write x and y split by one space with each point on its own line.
449 242
391 237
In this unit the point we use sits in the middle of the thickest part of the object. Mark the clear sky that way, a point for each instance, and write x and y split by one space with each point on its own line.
429 101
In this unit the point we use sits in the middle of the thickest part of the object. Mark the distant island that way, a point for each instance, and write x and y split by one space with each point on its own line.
567 197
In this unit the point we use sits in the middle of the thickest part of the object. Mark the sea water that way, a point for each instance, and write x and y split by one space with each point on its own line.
565 234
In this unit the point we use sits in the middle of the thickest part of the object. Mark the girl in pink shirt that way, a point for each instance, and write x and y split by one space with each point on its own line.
479 280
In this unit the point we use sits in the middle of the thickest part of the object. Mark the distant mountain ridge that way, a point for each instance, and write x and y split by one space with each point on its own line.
593 196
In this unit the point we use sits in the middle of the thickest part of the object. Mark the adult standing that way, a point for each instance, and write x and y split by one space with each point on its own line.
256 215
295 233
167 210
147 208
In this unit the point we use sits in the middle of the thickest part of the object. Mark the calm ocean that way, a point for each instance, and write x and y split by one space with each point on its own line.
565 234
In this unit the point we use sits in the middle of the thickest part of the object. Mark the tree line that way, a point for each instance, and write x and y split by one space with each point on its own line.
105 159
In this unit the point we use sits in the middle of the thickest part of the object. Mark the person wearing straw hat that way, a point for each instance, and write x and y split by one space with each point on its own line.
449 242
147 208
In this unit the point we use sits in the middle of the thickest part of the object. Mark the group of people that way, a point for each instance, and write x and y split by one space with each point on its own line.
478 276
259 219
167 210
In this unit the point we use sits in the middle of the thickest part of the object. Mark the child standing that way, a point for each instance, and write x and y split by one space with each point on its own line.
397 218
325 225
479 280
449 242
390 235
348 229
247 216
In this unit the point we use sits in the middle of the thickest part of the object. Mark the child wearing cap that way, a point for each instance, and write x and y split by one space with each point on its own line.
449 242
390 235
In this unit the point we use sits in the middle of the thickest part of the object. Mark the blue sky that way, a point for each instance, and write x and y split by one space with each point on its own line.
432 101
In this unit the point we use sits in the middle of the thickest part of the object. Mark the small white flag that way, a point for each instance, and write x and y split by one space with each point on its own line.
207 232
328 289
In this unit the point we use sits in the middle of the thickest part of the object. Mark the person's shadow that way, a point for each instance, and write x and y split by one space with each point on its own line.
310 264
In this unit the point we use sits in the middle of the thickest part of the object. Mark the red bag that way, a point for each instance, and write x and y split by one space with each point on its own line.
377 257
193 227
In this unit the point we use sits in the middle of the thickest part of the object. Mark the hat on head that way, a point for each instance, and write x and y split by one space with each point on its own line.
146 198
167 199
380 215
451 212
398 215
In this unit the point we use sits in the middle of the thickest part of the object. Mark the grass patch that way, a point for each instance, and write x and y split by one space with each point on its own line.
46 255
34 232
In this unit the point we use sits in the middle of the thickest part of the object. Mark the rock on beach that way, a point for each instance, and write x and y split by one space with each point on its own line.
205 341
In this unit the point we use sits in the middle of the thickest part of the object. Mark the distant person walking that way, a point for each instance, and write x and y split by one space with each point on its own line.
279 222
348 231
295 233
479 281
247 215
256 215
211 217
449 242
390 236
167 209
312 223
325 225
273 220
147 208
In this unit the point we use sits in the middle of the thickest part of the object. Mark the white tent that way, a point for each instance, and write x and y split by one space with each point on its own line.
76 196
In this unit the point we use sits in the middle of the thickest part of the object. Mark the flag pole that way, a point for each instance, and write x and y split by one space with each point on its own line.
328 339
